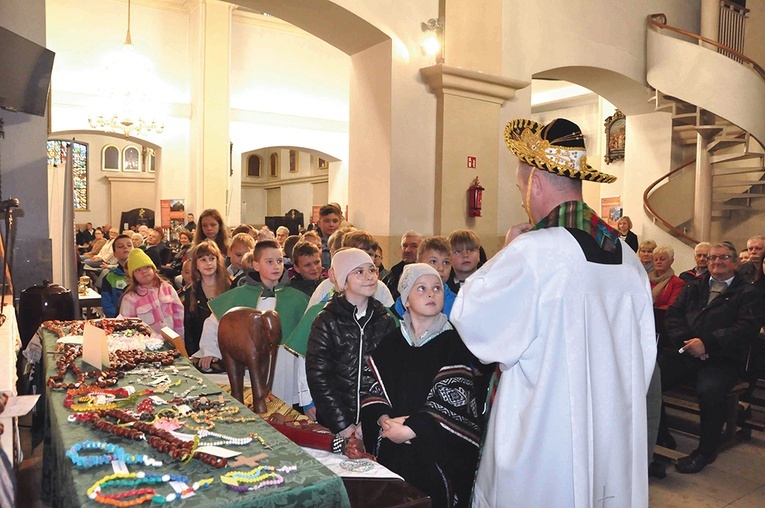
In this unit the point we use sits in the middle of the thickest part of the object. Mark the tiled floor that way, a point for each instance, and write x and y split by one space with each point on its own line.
736 479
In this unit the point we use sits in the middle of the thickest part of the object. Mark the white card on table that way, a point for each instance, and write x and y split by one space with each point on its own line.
95 349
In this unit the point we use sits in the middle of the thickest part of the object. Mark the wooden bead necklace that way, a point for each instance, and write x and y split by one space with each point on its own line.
120 361
159 439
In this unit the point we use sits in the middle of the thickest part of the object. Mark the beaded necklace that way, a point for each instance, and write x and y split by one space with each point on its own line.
111 405
158 439
209 416
140 496
225 440
261 476
113 452
161 381
85 389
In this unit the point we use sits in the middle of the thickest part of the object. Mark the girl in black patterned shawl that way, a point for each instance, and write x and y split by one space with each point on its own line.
420 413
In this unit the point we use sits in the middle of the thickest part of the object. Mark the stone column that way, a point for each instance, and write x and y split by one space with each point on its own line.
470 93
702 201
710 21
210 26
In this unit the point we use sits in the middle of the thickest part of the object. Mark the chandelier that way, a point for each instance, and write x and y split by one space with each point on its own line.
125 104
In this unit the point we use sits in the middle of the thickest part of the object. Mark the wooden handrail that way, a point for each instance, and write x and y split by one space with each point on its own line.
653 19
653 213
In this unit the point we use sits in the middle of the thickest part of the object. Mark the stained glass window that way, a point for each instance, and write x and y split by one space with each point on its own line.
57 151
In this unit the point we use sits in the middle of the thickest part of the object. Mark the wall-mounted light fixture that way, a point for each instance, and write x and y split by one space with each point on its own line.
433 44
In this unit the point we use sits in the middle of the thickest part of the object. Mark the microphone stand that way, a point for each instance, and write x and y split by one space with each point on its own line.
7 206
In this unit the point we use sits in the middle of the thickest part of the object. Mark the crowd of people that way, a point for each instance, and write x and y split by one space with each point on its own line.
348 318
709 319
543 358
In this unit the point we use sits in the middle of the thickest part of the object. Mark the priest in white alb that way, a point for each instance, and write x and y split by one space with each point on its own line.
565 310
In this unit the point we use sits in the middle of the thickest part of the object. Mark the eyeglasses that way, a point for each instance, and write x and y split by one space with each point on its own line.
363 273
724 257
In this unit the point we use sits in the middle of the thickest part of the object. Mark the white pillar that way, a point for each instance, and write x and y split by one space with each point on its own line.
702 202
211 47
710 21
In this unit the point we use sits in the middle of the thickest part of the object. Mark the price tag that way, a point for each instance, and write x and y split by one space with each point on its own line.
178 487
119 467
218 451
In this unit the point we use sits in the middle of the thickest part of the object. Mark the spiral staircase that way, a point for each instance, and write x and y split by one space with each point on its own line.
716 96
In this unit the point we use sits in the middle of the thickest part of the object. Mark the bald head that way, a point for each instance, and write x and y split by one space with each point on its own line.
541 191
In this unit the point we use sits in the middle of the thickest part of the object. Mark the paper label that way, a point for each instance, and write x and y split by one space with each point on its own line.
218 451
158 400
178 487
19 406
119 467
182 436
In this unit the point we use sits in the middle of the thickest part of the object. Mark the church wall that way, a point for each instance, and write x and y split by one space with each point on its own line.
158 34
601 35
288 88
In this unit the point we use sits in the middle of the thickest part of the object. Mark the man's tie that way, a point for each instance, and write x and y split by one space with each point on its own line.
715 290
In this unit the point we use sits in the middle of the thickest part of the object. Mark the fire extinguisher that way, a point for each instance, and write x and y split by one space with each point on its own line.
475 195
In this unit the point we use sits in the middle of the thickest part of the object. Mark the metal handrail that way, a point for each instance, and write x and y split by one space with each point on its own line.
653 19
653 213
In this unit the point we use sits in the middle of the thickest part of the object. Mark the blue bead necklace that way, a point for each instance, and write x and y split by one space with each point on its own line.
111 452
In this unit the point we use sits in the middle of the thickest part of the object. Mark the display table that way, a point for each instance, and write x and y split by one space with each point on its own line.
89 301
64 485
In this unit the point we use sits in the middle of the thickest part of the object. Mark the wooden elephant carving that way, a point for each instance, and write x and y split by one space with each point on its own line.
250 339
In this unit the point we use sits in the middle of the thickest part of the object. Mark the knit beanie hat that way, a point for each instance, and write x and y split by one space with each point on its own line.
344 262
409 276
138 259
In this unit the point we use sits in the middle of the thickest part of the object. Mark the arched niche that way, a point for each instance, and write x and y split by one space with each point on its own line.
300 181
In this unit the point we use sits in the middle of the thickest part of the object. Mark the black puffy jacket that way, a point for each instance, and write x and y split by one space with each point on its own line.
337 346
727 326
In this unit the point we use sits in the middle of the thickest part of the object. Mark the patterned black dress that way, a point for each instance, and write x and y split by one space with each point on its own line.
435 385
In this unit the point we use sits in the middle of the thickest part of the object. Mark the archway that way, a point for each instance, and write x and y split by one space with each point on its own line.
276 179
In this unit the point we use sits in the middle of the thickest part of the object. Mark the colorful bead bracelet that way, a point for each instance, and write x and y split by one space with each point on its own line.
140 496
113 452
261 476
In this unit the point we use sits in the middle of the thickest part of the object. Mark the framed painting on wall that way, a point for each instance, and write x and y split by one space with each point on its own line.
323 164
293 161
615 137
131 159
110 158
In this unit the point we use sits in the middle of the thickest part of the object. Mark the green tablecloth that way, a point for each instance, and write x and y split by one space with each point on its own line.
65 485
